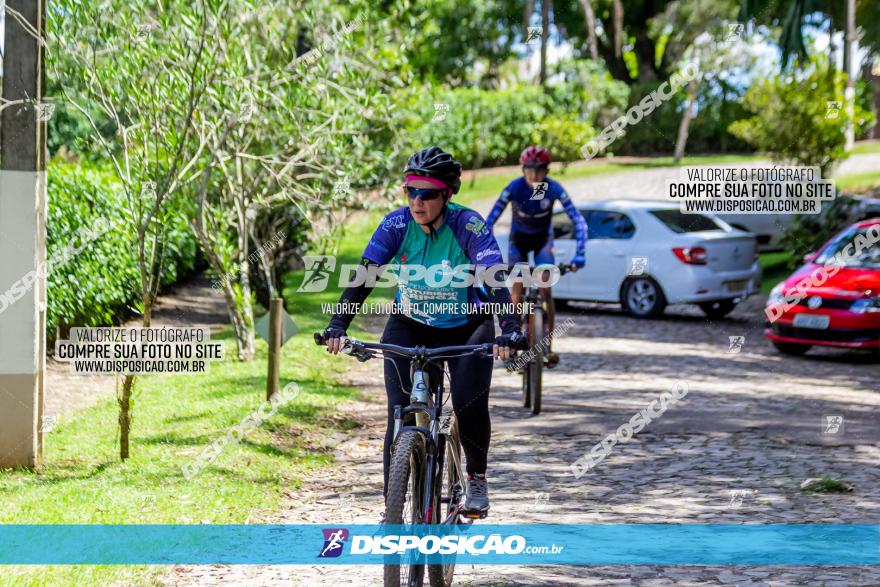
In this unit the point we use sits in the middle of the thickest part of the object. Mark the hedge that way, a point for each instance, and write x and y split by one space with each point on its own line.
99 284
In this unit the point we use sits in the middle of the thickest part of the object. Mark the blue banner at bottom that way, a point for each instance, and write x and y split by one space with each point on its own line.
562 544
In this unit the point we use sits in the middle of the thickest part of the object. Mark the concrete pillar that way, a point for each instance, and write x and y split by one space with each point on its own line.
22 239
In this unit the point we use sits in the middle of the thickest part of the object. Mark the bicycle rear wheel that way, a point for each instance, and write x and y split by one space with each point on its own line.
526 369
451 484
536 366
526 385
404 503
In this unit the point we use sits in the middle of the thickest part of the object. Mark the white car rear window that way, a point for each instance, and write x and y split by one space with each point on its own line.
681 223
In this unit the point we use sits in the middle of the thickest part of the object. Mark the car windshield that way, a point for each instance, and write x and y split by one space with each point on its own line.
855 247
680 223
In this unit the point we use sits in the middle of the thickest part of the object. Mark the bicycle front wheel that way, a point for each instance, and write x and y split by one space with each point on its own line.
452 491
404 503
536 367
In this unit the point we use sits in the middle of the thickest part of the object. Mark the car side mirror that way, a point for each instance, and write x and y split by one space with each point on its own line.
810 257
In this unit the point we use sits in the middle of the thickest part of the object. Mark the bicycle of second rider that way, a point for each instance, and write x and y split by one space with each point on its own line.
534 320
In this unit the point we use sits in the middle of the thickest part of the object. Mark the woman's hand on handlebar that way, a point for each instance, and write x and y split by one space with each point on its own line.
506 344
334 338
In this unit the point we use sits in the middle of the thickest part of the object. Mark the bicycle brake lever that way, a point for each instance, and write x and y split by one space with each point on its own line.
361 354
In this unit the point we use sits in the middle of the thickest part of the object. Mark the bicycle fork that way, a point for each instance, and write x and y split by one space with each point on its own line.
427 423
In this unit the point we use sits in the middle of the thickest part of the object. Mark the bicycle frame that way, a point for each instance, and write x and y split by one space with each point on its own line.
532 294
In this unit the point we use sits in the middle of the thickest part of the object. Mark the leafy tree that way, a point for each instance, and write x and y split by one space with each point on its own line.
285 131
716 54
795 16
146 70
564 136
795 120
459 42
640 42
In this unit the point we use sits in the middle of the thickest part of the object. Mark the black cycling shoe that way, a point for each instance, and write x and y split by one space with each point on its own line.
477 502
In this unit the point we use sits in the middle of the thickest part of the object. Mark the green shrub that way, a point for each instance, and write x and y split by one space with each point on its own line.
792 119
808 232
98 286
491 127
563 136
482 127
708 133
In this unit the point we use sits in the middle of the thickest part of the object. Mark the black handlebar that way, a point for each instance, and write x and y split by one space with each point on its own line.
363 349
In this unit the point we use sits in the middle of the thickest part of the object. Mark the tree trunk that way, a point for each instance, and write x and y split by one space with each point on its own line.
124 401
616 65
128 381
242 319
646 55
241 315
850 62
618 28
590 18
685 125
545 32
871 73
244 337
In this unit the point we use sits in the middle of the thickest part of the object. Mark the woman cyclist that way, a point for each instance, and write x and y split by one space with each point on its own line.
436 234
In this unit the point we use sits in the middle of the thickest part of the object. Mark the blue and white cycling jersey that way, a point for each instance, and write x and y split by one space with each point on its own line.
533 209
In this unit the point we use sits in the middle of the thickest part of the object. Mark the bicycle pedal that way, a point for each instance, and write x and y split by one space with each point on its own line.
475 515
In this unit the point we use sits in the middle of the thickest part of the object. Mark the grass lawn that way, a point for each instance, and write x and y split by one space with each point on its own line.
176 417
858 182
726 159
864 147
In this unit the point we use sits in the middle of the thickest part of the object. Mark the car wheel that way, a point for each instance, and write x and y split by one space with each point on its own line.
791 348
718 309
642 297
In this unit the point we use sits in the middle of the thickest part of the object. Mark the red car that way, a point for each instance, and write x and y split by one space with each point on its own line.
834 299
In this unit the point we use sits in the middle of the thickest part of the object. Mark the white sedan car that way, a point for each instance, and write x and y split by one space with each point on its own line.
646 255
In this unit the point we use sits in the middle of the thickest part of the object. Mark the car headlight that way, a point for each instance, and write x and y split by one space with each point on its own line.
865 305
776 296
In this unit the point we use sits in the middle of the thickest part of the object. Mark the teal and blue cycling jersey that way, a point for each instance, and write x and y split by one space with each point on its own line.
463 239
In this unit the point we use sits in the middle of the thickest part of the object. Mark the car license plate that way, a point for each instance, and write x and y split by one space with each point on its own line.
739 285
816 321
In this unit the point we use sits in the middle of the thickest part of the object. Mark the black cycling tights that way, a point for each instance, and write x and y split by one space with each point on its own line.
471 376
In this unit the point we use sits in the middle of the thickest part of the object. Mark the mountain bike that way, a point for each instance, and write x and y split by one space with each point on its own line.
534 320
426 480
